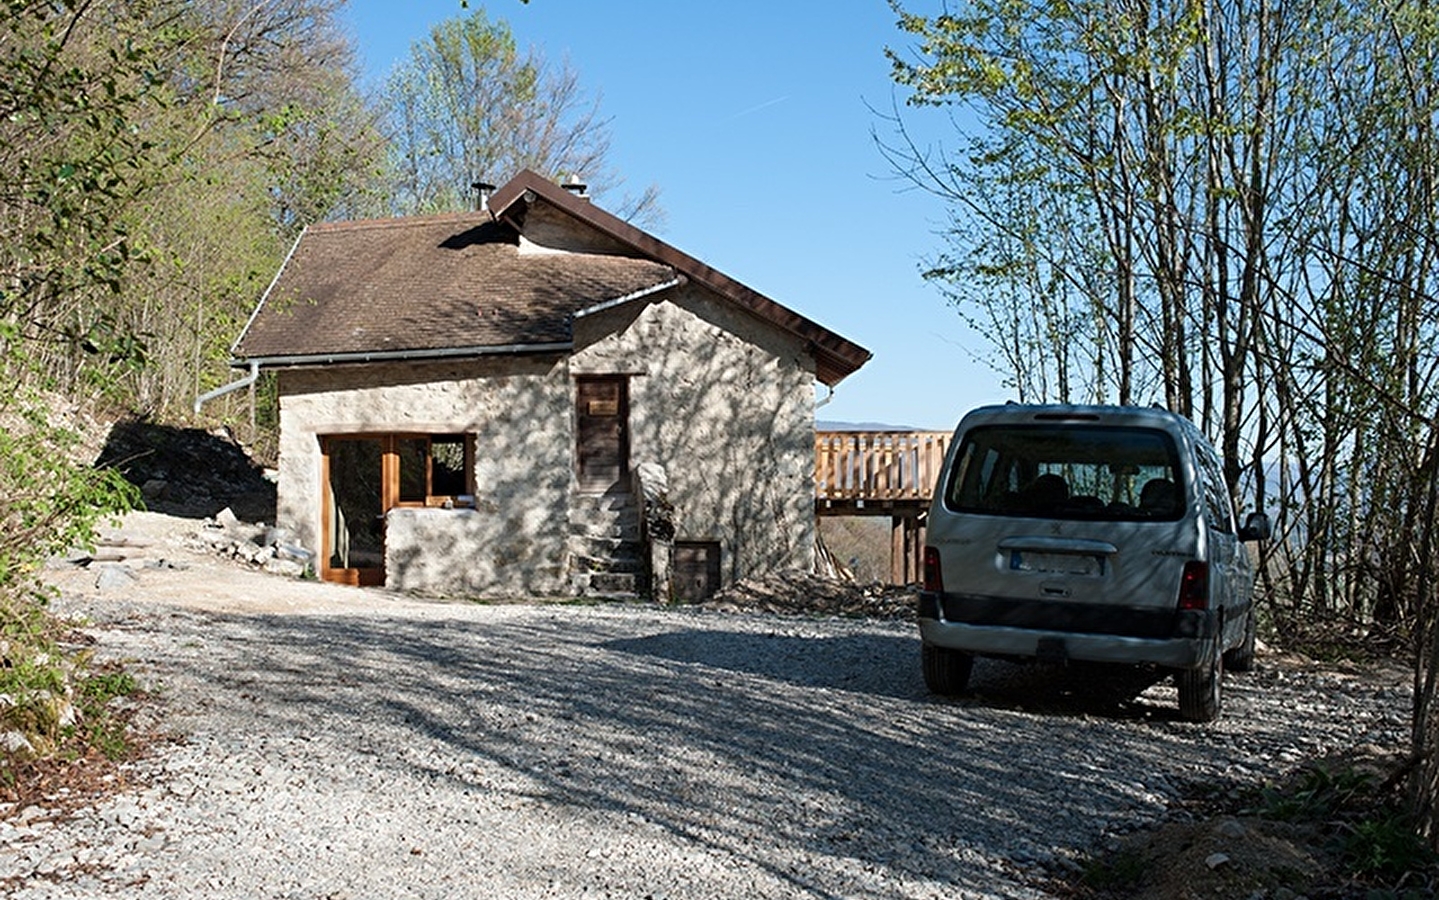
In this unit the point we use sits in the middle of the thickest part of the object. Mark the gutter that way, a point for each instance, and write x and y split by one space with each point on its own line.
227 388
677 281
364 356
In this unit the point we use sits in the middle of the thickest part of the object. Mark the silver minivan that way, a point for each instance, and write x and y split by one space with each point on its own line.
1093 533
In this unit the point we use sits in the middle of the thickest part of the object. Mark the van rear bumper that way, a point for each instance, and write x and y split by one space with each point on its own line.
1093 633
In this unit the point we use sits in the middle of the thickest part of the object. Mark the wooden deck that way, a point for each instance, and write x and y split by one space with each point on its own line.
874 472
882 473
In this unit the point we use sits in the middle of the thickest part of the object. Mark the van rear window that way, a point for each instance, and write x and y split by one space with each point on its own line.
1067 471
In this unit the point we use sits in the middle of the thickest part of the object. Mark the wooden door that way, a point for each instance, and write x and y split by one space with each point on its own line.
602 414
354 510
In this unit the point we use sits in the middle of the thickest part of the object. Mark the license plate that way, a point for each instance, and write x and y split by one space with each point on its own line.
1056 563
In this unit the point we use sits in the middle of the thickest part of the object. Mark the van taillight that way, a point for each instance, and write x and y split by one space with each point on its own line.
933 579
1194 586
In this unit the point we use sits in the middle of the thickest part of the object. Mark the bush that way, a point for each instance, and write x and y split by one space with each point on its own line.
49 502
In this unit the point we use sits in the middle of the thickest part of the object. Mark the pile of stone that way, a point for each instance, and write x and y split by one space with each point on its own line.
270 548
189 472
118 561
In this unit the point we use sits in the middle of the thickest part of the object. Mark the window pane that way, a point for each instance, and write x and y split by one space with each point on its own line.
412 452
1067 472
447 453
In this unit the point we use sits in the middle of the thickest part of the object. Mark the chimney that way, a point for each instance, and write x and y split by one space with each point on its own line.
576 187
483 190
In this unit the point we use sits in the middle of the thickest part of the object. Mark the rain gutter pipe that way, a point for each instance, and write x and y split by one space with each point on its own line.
227 388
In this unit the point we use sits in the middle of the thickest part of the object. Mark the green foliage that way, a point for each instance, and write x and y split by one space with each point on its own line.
1386 846
49 501
1318 793
1376 836
469 106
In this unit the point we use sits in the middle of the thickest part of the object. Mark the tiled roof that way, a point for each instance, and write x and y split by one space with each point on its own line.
429 283
433 284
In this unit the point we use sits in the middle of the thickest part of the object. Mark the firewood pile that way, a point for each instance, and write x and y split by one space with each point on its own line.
797 593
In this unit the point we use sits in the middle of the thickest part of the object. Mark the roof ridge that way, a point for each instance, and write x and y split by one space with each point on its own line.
481 216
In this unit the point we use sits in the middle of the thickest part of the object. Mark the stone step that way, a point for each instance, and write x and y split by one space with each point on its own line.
624 564
609 502
602 546
613 584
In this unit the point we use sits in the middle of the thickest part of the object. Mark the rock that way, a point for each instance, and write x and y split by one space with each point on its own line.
154 489
16 744
286 567
1215 860
1231 828
112 577
227 519
295 553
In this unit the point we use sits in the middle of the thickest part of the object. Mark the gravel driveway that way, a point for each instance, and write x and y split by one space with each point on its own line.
393 748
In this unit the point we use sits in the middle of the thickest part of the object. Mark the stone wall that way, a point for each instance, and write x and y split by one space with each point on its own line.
722 401
518 408
725 404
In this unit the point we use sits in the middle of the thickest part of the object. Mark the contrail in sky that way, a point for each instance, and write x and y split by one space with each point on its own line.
755 109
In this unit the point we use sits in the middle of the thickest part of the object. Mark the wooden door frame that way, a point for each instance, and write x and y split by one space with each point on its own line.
623 382
366 577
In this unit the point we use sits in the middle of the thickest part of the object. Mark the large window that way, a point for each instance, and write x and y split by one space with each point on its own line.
367 475
1067 471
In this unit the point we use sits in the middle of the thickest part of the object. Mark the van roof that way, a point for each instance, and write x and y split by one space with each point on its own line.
1151 416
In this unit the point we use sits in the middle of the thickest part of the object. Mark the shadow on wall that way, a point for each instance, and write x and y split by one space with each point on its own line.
513 543
751 426
189 472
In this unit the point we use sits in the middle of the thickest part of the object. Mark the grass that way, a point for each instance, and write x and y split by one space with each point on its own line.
58 711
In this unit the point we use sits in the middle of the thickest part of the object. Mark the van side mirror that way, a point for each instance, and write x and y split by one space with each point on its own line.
1256 527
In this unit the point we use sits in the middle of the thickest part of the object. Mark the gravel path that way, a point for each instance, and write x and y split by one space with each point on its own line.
391 748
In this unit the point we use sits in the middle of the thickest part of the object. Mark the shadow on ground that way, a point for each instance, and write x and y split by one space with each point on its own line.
188 472
768 746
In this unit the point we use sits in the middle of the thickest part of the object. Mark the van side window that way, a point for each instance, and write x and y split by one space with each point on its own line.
1067 470
1217 510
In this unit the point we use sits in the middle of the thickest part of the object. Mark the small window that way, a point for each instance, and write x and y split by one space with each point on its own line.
435 469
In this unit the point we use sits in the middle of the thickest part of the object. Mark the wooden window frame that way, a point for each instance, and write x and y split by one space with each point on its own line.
391 451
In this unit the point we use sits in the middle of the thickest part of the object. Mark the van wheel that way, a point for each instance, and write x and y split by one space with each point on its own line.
1241 658
946 671
1199 690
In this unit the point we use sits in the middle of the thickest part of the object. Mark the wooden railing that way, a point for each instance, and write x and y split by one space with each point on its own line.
879 466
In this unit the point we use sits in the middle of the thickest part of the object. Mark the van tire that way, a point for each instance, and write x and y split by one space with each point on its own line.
1200 690
1241 658
946 671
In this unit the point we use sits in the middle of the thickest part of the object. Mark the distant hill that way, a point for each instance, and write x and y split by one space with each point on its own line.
860 426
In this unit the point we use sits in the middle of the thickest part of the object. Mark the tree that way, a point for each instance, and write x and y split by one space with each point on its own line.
469 106
1250 207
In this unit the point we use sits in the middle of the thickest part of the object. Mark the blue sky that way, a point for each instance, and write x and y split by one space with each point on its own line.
753 118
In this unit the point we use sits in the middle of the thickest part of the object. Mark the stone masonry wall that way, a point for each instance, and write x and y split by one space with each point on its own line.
726 404
519 409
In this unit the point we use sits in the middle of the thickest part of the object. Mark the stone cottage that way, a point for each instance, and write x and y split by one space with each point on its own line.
466 401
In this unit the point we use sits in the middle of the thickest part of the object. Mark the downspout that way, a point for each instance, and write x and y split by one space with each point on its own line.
254 366
827 397
227 388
